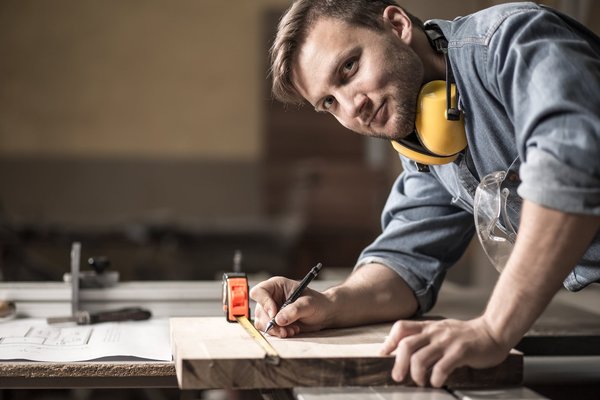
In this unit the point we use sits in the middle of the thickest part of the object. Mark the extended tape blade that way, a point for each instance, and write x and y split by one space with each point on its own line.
272 354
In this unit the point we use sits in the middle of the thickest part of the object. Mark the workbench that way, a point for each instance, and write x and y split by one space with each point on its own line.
571 324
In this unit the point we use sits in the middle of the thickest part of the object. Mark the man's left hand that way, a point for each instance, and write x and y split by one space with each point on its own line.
439 347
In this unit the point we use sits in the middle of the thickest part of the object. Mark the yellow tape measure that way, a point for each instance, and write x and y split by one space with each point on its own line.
259 338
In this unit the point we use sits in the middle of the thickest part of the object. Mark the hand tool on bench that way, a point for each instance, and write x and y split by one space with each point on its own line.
82 317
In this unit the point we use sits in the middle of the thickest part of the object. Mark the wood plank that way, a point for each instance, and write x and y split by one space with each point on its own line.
211 353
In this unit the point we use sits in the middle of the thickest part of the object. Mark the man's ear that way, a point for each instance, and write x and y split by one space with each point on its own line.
399 22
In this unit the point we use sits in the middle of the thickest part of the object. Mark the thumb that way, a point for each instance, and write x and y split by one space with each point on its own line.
299 309
285 316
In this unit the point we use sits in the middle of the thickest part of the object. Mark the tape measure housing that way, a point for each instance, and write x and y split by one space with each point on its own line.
235 296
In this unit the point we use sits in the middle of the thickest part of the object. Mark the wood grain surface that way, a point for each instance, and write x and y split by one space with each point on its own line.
211 353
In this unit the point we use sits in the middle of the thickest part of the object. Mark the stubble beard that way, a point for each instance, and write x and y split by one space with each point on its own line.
408 75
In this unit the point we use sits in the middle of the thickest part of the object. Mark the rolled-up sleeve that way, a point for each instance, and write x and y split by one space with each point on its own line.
548 78
423 234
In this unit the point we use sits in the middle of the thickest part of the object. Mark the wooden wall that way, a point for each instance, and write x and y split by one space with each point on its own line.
126 110
130 78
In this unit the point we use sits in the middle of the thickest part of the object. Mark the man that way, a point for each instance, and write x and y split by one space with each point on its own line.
529 90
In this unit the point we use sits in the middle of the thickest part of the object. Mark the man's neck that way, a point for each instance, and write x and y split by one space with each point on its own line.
433 62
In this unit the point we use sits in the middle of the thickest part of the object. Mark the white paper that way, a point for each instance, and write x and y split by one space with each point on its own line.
35 340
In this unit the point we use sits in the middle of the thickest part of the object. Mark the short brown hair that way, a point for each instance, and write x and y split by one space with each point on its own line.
295 23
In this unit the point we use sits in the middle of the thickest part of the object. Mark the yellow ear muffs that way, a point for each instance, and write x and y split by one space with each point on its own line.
437 139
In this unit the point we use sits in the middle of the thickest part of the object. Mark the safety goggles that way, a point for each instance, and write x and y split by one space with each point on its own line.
494 228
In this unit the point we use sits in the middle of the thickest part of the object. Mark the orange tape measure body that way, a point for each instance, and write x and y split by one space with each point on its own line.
236 301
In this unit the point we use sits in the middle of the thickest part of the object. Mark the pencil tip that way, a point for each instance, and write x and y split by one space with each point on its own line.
269 326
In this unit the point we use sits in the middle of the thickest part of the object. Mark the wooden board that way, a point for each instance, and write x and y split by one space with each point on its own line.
210 353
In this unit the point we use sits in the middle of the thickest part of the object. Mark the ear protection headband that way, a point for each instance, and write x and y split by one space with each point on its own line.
439 133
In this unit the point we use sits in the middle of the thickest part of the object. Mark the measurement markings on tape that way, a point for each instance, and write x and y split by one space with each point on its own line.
272 354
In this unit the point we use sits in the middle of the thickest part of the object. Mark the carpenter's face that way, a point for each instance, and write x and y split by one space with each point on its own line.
368 80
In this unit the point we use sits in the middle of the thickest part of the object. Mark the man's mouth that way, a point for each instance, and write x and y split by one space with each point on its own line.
378 114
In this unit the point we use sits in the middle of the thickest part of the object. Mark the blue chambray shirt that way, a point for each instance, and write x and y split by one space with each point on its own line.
529 80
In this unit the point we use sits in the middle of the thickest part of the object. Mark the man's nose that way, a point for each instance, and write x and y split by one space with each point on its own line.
353 104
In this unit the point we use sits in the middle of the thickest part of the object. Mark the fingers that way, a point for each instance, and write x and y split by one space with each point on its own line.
419 352
287 331
261 319
266 307
300 309
422 362
288 319
399 330
265 293
272 292
283 331
406 348
446 365
406 339
431 351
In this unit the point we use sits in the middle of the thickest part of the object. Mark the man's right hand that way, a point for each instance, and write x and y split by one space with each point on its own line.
372 293
310 312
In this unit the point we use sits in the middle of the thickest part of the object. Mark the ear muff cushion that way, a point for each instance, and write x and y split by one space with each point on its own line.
438 135
419 154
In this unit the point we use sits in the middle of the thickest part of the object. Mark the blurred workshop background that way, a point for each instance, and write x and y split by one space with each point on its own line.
146 130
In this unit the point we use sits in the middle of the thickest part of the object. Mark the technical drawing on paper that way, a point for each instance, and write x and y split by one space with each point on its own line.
50 336
33 339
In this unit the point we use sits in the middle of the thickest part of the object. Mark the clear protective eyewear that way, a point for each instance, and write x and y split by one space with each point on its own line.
492 222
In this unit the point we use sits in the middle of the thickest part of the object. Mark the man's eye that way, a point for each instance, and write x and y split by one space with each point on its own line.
349 65
328 102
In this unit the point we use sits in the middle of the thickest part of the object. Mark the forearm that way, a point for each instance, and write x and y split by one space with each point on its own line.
548 246
372 293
